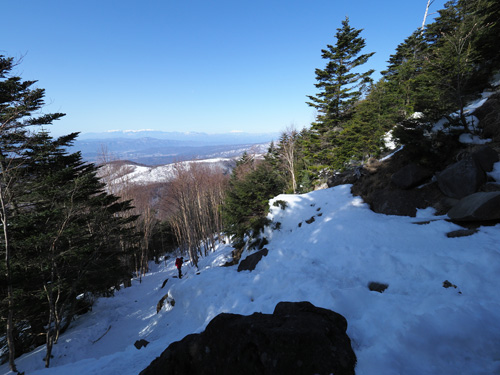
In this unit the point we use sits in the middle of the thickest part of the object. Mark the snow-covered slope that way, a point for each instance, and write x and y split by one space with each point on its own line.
130 173
415 327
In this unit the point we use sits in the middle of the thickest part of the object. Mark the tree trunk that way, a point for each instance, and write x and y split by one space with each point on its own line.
429 2
10 294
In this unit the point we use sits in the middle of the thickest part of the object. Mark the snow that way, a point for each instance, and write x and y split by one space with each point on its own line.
467 138
389 141
415 327
144 175
472 121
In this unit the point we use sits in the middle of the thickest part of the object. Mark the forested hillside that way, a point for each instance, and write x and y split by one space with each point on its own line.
430 78
69 236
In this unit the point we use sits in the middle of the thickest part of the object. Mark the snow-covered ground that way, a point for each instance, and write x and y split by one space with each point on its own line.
415 327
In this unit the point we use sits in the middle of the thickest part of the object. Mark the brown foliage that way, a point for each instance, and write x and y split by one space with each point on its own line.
192 202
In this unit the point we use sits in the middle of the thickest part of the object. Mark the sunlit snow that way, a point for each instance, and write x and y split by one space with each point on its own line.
415 327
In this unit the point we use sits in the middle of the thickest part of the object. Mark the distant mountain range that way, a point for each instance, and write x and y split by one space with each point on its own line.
151 147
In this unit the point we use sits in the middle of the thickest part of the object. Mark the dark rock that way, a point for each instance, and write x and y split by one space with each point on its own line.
298 338
251 261
141 343
396 202
425 222
447 284
485 157
164 283
349 177
461 233
489 117
445 204
477 207
377 287
310 220
410 176
461 179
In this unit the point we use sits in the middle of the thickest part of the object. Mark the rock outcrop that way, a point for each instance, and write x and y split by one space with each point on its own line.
251 261
439 174
298 338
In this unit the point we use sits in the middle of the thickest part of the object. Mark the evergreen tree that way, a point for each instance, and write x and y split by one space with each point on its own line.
19 102
67 236
247 200
454 58
62 233
341 87
408 88
362 136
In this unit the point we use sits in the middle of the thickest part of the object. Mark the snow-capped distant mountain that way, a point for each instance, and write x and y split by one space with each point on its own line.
198 137
155 148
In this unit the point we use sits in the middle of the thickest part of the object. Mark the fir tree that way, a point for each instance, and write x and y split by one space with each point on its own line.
63 235
341 87
19 102
247 200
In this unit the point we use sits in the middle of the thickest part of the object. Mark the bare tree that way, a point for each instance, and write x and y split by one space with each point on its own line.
287 147
6 202
429 3
193 199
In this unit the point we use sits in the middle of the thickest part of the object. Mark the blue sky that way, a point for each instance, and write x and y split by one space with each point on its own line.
192 65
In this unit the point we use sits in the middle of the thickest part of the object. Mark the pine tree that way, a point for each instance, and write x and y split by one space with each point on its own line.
341 87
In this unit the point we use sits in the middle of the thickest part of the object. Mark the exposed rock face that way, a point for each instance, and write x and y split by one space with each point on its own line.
410 176
477 207
251 261
298 338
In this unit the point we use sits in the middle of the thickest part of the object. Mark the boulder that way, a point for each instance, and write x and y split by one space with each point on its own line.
410 176
251 261
485 157
141 344
375 286
396 202
461 179
298 338
482 206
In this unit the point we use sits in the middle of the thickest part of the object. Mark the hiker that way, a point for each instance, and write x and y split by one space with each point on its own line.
178 264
